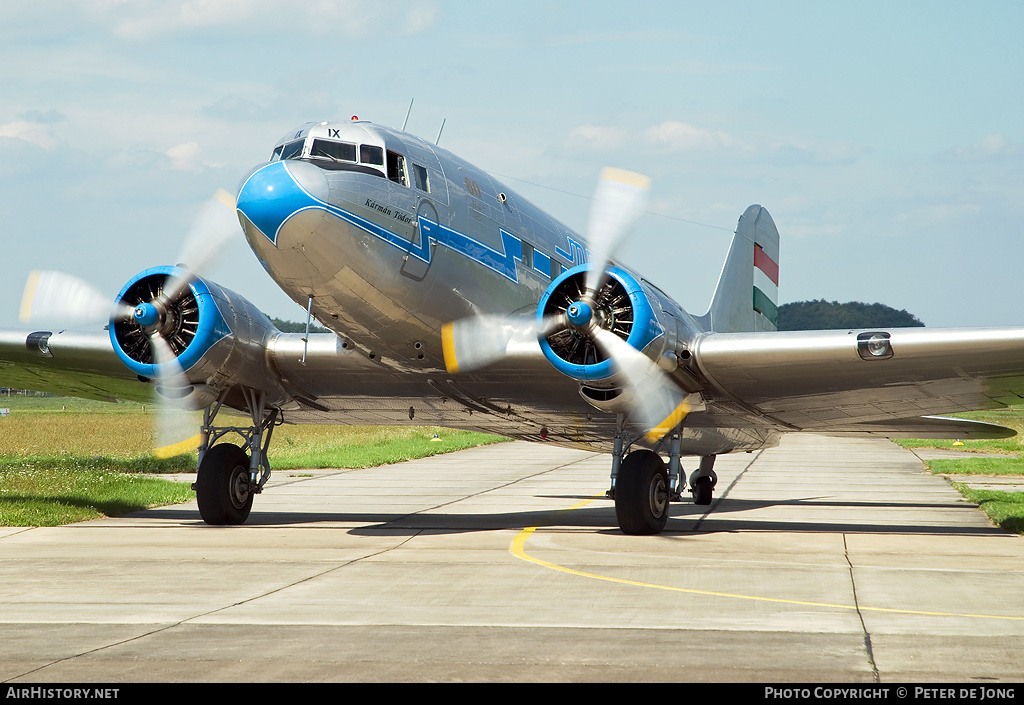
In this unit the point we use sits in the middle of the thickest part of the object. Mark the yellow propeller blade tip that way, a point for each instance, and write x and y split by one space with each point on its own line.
186 446
670 422
25 313
628 177
226 198
448 347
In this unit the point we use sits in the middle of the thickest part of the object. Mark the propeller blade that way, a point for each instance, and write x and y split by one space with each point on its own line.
212 230
62 297
474 342
618 201
175 430
657 404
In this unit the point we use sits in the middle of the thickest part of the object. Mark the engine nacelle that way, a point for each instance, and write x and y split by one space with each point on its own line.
622 305
218 337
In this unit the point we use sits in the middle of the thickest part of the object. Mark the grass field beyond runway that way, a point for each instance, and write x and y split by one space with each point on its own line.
65 460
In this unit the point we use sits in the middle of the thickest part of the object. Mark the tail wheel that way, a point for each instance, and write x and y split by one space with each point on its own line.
223 489
702 490
641 494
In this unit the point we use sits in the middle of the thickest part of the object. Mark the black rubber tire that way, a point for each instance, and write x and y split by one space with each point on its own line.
641 494
702 491
222 486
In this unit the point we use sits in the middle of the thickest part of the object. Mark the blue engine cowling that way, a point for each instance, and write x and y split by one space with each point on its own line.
218 337
622 305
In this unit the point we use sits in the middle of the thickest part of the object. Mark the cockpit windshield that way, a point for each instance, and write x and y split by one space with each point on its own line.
334 155
338 151
292 150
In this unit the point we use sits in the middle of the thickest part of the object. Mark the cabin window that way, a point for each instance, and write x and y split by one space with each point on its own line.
422 178
527 255
368 154
338 151
292 150
396 168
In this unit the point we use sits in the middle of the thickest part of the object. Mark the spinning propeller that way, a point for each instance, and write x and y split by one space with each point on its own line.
592 323
154 322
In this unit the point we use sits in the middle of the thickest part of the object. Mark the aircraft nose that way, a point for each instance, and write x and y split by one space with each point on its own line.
274 193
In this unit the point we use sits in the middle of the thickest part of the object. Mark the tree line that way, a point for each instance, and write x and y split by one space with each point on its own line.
832 315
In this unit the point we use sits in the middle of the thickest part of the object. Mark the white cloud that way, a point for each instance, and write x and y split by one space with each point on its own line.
992 147
670 135
419 19
682 136
597 138
188 157
34 132
145 19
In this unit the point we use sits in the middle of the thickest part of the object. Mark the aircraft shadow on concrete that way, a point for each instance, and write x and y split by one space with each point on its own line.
684 518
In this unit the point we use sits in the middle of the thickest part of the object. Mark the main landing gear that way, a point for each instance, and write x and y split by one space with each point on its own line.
230 476
643 485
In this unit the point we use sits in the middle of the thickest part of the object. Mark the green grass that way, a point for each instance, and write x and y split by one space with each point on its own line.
976 466
65 460
52 492
296 447
1005 509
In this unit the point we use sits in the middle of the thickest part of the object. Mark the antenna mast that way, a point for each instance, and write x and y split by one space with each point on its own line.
407 113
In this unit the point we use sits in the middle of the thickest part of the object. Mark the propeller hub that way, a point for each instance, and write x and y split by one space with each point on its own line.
579 313
146 315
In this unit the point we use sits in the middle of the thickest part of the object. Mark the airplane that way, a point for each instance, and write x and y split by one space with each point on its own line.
453 301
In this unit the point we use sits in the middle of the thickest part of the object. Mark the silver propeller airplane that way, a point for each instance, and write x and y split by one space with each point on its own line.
455 302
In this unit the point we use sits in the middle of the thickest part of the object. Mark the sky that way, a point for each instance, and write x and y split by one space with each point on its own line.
886 139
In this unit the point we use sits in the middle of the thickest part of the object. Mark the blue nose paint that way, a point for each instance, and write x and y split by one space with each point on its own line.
146 315
579 313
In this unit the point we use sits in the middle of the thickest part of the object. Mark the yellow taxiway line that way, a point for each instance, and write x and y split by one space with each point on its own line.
518 549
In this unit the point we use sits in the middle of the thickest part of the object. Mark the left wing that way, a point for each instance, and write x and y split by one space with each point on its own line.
72 363
864 380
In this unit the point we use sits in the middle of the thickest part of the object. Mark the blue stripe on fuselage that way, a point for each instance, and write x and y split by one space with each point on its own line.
275 206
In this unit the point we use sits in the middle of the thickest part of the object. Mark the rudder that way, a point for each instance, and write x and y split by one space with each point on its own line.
747 296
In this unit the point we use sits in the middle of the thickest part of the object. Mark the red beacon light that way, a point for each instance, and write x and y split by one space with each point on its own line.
354 118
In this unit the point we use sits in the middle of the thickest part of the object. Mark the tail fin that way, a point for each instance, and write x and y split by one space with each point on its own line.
747 297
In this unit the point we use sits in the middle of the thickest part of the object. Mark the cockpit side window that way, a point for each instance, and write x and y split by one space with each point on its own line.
277 153
396 168
421 177
368 154
292 150
337 151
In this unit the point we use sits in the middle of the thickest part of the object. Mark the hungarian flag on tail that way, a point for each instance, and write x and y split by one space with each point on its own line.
766 285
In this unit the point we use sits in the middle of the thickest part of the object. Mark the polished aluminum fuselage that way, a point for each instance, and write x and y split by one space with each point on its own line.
386 264
386 250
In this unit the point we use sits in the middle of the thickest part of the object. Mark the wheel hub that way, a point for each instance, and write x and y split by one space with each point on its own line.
240 487
658 496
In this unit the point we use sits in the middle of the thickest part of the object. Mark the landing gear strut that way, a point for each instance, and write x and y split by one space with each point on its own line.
643 484
228 477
